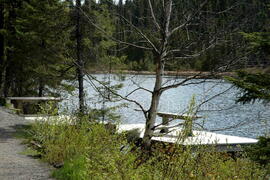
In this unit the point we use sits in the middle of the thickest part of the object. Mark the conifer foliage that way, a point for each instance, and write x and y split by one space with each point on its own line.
35 35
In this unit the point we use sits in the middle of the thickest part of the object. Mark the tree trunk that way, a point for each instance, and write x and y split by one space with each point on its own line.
9 59
1 47
80 64
152 114
40 88
7 81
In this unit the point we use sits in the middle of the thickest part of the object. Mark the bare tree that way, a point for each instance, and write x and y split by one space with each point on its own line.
160 43
163 52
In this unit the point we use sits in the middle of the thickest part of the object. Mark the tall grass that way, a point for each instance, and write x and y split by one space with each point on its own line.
90 151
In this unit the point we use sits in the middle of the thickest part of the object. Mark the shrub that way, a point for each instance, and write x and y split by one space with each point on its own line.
73 169
90 151
260 152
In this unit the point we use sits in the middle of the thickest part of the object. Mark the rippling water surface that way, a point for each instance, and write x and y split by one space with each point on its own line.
219 110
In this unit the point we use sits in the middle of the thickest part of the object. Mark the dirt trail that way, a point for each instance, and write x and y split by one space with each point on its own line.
14 165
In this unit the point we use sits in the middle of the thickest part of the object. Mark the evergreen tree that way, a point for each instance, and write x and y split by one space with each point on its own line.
79 55
255 85
35 47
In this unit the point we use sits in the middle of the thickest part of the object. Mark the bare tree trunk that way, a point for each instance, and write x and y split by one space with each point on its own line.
160 63
152 114
80 64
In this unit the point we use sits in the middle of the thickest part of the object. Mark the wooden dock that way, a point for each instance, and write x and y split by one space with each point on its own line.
221 142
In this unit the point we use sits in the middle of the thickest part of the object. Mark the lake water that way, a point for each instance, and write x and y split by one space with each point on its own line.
220 112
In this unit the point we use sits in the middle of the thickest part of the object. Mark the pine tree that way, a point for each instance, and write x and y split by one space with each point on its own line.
79 55
35 44
255 85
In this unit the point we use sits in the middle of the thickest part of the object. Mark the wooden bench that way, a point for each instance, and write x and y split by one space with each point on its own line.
17 103
167 117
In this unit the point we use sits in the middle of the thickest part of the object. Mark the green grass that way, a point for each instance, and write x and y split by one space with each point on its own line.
90 151
31 152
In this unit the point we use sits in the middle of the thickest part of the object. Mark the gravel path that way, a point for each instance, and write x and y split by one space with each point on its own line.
14 165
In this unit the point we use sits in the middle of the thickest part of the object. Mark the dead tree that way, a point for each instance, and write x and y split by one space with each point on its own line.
159 42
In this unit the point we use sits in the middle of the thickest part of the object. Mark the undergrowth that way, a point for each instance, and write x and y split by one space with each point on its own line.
90 151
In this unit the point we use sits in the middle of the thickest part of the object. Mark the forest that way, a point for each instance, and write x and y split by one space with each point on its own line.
55 46
43 43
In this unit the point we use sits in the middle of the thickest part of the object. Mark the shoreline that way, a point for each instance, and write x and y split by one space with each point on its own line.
198 74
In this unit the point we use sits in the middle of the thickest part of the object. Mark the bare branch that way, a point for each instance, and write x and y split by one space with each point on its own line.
110 37
147 90
168 15
189 18
195 83
216 95
191 56
153 15
226 10
180 83
90 77
229 127
139 88
140 33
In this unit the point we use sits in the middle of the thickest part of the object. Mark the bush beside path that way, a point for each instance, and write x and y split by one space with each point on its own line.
13 164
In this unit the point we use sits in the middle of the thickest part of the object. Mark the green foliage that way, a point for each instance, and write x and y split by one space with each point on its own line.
204 163
260 152
259 41
89 146
90 151
23 132
2 101
254 86
73 169
60 142
31 152
35 47
188 124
